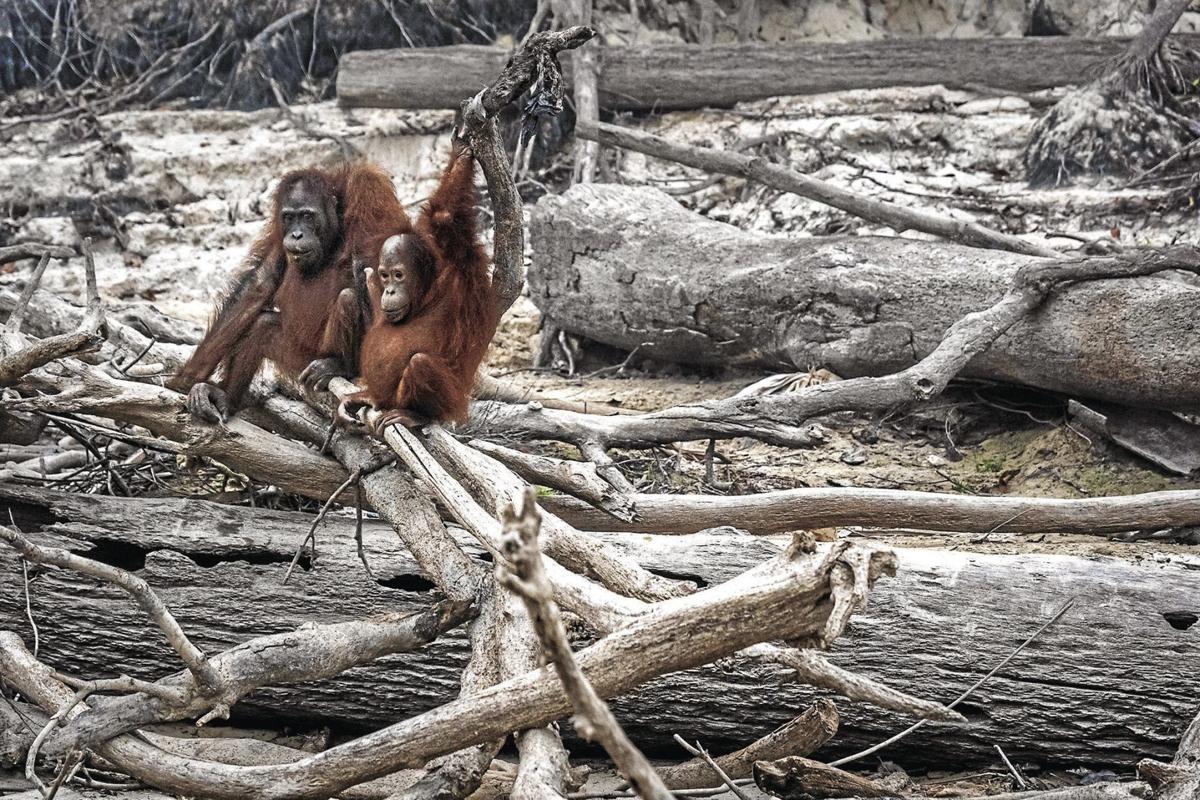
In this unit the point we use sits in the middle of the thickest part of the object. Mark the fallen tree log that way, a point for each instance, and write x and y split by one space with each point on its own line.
629 267
666 77
1092 689
794 509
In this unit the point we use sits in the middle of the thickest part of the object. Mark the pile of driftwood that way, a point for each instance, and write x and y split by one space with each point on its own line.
687 631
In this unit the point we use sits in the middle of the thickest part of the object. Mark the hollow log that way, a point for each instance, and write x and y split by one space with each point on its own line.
629 267
1094 688
666 77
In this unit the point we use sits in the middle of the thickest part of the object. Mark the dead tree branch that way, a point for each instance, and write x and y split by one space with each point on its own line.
577 478
796 509
20 252
523 574
535 60
795 776
759 169
313 653
20 355
800 736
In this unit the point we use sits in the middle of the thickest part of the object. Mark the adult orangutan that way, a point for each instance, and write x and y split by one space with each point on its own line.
297 301
433 311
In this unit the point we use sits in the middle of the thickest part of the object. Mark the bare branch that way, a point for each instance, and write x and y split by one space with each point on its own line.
811 668
578 478
19 252
535 60
489 388
795 776
796 509
312 653
788 180
800 736
35 279
29 356
703 755
523 574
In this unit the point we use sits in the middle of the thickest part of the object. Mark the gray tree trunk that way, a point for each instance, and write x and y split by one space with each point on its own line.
666 77
628 266
1110 683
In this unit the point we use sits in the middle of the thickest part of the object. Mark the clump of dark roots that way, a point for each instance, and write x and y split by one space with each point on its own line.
64 56
1141 114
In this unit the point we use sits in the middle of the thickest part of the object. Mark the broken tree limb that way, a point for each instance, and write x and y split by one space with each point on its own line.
219 568
311 653
796 509
642 430
489 388
856 305
20 354
799 778
576 478
800 736
778 176
239 444
666 77
20 252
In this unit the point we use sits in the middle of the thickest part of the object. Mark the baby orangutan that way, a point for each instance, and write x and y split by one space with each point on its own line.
433 312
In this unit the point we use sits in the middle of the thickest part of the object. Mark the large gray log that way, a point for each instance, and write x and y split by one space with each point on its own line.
1110 683
665 77
628 266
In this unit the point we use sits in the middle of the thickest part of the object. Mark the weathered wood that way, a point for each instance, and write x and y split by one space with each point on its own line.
820 507
800 736
799 778
1096 688
628 266
665 77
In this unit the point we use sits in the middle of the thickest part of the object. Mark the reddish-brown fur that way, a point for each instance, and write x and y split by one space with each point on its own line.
316 315
425 366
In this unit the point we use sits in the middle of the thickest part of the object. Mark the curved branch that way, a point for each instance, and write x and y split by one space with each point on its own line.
536 60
